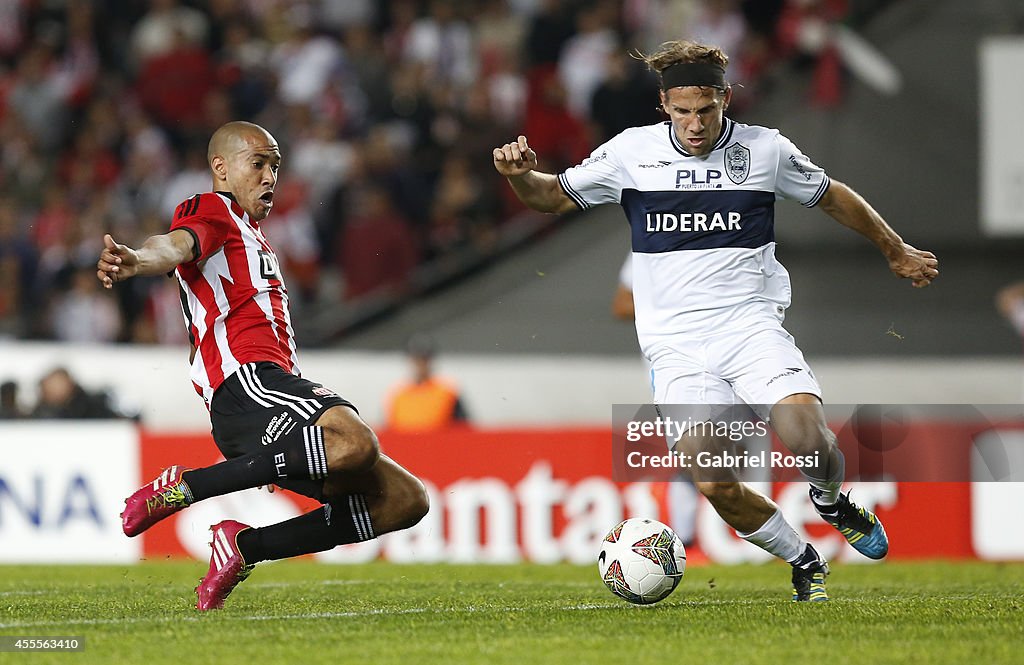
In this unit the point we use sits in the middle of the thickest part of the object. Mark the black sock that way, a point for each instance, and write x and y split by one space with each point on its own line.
297 455
337 523
809 556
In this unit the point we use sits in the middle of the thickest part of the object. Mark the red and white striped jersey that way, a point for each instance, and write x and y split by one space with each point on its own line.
233 296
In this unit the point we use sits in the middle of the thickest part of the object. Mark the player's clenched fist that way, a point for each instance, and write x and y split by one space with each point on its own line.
117 262
514 159
919 266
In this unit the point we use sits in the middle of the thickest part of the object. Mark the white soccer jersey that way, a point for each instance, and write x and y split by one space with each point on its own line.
702 226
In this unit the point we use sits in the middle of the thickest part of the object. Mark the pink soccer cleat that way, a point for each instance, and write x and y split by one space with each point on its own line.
154 501
227 567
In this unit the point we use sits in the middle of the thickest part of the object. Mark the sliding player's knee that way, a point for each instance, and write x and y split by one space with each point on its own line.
412 501
350 444
355 451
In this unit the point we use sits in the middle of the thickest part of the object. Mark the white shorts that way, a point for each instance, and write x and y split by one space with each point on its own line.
757 364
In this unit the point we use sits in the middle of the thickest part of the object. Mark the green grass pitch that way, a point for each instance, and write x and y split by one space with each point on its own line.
300 612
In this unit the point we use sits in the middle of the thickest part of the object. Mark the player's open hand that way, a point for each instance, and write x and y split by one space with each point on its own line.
919 266
514 159
117 262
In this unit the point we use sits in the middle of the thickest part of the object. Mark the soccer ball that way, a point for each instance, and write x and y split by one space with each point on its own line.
641 561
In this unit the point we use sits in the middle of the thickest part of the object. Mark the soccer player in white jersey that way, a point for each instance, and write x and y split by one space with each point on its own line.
273 425
699 193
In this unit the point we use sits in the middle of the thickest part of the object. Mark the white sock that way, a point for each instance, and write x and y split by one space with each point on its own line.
777 537
825 494
828 490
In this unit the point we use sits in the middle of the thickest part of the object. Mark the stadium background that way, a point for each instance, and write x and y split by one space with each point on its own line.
390 221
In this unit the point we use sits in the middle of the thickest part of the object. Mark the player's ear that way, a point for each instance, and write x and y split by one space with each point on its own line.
663 102
728 97
219 166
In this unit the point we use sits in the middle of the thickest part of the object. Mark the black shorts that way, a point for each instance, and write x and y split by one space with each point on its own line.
261 401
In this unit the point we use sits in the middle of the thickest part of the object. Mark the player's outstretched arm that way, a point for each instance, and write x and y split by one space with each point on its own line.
158 255
540 191
851 210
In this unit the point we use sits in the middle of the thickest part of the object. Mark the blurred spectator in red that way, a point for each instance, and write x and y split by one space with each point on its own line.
558 137
87 154
377 249
54 219
173 85
805 32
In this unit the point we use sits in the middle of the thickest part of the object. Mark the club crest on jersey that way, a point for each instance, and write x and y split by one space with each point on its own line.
737 162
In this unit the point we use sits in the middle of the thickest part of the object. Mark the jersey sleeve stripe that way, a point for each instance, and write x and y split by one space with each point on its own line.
822 188
191 206
572 193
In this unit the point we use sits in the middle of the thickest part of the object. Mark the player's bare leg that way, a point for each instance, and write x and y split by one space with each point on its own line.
757 519
799 420
395 498
350 444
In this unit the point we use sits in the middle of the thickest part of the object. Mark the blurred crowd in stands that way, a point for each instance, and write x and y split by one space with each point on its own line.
386 112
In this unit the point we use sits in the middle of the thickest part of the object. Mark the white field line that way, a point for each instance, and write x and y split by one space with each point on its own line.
27 593
285 617
579 607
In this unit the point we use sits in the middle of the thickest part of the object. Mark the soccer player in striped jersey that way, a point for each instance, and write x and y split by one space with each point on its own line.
273 426
699 193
